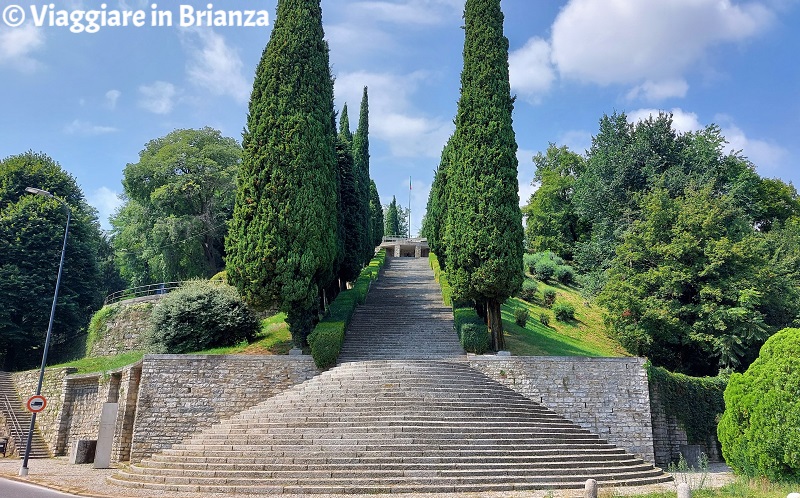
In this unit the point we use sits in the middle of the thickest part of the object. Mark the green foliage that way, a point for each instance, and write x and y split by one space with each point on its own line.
552 222
200 315
178 198
441 277
484 235
326 342
376 214
564 274
31 237
544 319
688 285
695 402
544 269
475 338
362 180
529 288
465 315
521 316
563 311
549 297
328 336
758 430
433 226
351 222
97 325
392 219
282 242
220 277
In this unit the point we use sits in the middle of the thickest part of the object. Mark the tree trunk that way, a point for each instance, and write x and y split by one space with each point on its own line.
495 321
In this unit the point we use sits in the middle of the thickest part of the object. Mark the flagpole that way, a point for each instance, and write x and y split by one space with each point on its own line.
409 207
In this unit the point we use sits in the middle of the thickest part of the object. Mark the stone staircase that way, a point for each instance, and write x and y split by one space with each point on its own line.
391 426
18 420
402 412
403 318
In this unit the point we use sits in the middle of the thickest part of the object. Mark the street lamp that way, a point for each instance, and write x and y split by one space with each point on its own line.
37 191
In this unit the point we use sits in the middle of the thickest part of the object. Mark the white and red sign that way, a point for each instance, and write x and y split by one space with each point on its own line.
36 403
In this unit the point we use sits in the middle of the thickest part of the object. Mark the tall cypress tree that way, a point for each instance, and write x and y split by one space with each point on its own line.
392 219
282 240
349 202
436 210
376 214
361 157
484 221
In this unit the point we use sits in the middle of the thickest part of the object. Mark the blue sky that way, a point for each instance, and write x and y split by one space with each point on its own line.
92 101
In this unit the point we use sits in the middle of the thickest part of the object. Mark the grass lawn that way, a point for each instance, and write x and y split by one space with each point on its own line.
273 338
584 336
741 488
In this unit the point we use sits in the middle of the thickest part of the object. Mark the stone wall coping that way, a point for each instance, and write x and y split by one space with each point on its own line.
229 357
576 359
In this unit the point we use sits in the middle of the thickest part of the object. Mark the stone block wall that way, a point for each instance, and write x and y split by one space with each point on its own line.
53 388
182 394
124 329
608 396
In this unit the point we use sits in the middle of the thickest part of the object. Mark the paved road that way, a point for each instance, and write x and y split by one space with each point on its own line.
14 489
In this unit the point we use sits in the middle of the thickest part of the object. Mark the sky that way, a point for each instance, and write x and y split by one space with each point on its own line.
92 100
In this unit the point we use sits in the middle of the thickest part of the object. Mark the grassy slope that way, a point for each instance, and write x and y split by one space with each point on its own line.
584 336
274 338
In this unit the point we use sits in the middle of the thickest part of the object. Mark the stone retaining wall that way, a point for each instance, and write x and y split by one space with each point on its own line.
608 396
54 389
124 329
180 395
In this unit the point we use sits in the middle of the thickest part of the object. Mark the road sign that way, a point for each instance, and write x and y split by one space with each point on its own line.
36 403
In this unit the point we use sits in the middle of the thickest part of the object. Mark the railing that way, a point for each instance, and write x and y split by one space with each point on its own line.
141 291
12 415
403 238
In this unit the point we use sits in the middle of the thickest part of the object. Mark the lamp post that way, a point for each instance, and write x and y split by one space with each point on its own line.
36 191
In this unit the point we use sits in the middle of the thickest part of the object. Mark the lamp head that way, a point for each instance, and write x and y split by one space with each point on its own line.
38 191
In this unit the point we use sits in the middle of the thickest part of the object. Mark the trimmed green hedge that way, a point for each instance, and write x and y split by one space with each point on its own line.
475 338
438 274
760 429
328 336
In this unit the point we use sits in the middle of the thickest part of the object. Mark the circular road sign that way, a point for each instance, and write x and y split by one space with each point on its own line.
36 403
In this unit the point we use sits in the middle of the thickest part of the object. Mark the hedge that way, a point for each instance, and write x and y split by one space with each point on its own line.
328 336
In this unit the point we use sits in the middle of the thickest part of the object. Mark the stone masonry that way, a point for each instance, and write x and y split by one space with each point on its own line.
182 394
124 330
608 396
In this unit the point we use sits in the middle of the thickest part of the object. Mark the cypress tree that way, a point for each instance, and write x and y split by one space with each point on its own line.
376 214
282 241
484 222
392 219
351 260
361 157
436 210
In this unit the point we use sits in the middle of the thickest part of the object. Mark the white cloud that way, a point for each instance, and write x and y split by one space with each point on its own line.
17 44
158 98
658 91
412 12
419 202
578 141
682 121
106 201
392 118
214 65
630 41
112 96
525 175
530 70
78 127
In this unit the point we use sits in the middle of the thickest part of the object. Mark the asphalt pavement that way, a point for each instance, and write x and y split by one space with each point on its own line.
15 489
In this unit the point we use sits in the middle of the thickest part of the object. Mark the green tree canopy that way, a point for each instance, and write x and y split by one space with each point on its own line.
350 210
433 226
392 218
282 242
178 199
362 180
31 237
376 214
484 221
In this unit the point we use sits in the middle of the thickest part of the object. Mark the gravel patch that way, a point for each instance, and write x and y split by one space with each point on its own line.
84 480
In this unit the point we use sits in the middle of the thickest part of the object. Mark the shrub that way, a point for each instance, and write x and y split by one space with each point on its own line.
529 288
466 315
475 338
326 342
97 325
521 316
563 311
221 276
759 428
564 274
544 269
529 262
544 319
549 297
200 315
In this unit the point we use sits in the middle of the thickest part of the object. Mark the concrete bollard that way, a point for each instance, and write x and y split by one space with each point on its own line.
684 491
591 489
